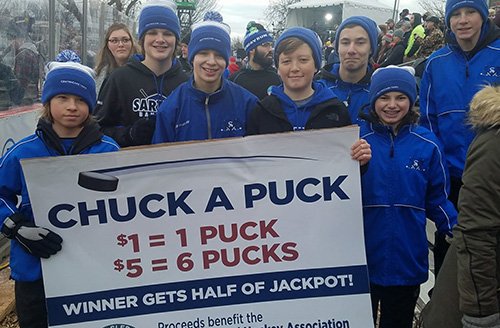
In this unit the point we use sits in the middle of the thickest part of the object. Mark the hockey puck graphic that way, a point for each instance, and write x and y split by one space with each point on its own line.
97 181
107 179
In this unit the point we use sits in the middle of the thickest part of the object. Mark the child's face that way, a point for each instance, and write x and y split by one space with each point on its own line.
297 69
159 45
466 24
69 112
392 107
208 67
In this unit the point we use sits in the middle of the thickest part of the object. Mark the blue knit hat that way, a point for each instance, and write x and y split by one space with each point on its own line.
479 5
367 24
393 78
256 35
308 36
159 14
210 34
69 78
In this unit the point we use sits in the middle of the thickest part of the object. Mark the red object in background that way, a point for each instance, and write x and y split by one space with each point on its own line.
233 66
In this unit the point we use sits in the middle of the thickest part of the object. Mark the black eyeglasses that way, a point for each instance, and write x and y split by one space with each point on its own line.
122 40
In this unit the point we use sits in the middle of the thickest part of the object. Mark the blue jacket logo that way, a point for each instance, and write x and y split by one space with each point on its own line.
232 125
416 164
492 71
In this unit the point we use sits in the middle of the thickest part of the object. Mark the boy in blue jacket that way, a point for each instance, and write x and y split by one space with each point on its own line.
406 183
65 128
452 76
356 45
300 103
208 106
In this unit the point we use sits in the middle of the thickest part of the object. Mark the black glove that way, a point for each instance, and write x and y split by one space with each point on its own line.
141 132
35 240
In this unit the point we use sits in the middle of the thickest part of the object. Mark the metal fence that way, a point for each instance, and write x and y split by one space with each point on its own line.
32 32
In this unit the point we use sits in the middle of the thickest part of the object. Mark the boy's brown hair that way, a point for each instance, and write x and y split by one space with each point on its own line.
288 46
47 115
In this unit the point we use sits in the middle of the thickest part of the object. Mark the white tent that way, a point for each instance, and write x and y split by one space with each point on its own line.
312 13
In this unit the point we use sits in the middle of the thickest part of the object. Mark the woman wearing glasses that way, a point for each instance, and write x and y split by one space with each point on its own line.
118 47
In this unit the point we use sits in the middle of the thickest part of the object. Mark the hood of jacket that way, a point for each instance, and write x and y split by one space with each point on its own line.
143 69
89 135
331 73
485 109
29 46
321 94
489 33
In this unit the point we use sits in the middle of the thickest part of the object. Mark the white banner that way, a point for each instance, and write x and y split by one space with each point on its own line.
262 231
15 125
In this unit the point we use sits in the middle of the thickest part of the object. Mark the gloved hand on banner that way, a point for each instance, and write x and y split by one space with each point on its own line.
141 132
38 241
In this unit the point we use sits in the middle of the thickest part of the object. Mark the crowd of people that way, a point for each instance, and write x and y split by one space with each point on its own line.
19 83
415 162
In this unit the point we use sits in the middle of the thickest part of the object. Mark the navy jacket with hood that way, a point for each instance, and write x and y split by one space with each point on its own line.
191 114
45 142
278 113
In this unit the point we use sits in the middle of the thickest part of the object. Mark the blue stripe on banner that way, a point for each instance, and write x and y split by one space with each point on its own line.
265 287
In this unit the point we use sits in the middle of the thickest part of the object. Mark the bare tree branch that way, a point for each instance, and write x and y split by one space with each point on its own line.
276 13
71 6
118 4
435 7
202 6
236 43
128 7
131 7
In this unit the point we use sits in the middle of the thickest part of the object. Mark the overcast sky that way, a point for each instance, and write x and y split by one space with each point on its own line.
237 13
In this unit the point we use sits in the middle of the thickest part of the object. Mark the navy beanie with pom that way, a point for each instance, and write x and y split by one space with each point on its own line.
452 5
159 14
367 24
210 34
69 78
393 78
256 35
308 36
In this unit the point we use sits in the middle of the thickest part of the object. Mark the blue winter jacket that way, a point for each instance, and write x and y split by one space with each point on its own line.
354 95
450 80
24 266
191 114
406 182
